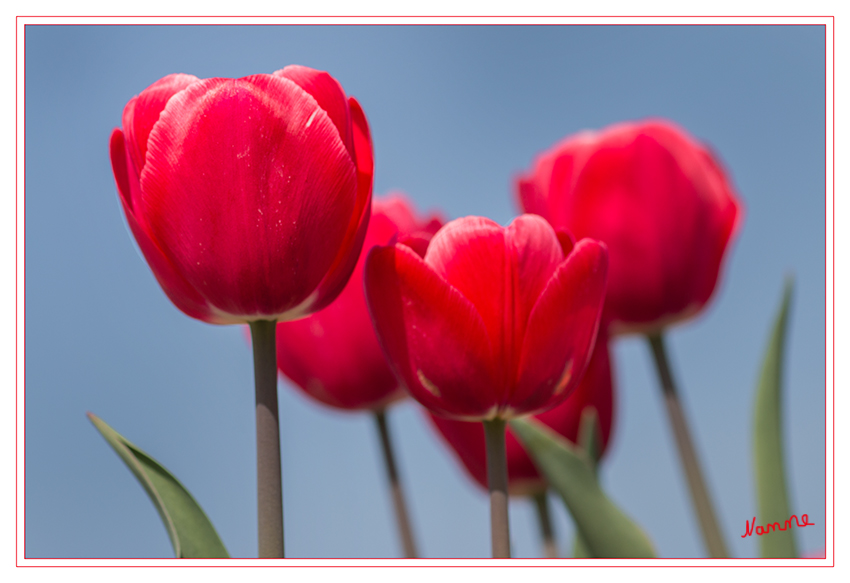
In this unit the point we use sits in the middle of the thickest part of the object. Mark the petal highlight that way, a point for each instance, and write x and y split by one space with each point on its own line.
142 112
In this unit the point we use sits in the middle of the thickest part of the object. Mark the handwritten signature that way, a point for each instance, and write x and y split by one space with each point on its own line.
768 528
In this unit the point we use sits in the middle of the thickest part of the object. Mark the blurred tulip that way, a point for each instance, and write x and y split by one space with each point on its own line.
658 199
594 390
334 355
493 322
249 198
667 211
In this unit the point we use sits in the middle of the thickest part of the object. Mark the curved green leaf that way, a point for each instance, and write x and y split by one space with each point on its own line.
191 532
605 529
771 489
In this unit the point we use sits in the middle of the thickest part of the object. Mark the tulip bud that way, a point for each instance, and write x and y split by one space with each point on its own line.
493 322
333 355
249 198
658 199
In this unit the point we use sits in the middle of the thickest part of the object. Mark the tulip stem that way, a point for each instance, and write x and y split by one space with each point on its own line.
401 515
544 518
497 477
269 490
687 454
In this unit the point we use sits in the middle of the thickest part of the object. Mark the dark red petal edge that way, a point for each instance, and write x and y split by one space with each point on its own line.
343 266
566 239
173 284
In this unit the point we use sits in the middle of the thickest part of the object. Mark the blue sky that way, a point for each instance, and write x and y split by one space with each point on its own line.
456 112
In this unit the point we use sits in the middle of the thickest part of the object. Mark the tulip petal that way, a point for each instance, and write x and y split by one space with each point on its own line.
252 208
536 252
327 92
726 217
121 167
545 190
659 200
142 112
566 239
502 273
398 208
173 284
469 254
432 335
530 196
362 141
395 211
352 244
466 439
334 354
605 205
561 330
596 389
419 243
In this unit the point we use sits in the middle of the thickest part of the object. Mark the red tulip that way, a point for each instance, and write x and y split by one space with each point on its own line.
660 201
493 322
334 355
249 198
595 389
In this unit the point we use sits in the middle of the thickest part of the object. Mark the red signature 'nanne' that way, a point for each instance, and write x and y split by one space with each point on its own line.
768 528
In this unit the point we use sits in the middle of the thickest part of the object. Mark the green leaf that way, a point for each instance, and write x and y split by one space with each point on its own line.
771 489
191 532
580 550
590 434
604 528
589 441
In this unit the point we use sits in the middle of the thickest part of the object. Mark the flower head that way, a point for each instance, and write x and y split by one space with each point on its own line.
493 321
249 198
659 200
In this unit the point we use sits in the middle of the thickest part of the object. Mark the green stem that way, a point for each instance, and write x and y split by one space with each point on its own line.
687 453
544 519
401 515
497 477
269 489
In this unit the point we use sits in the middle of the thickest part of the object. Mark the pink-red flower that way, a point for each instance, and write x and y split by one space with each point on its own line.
334 355
493 322
657 198
249 198
594 390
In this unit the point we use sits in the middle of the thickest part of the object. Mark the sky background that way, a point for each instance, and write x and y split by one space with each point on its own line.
456 112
